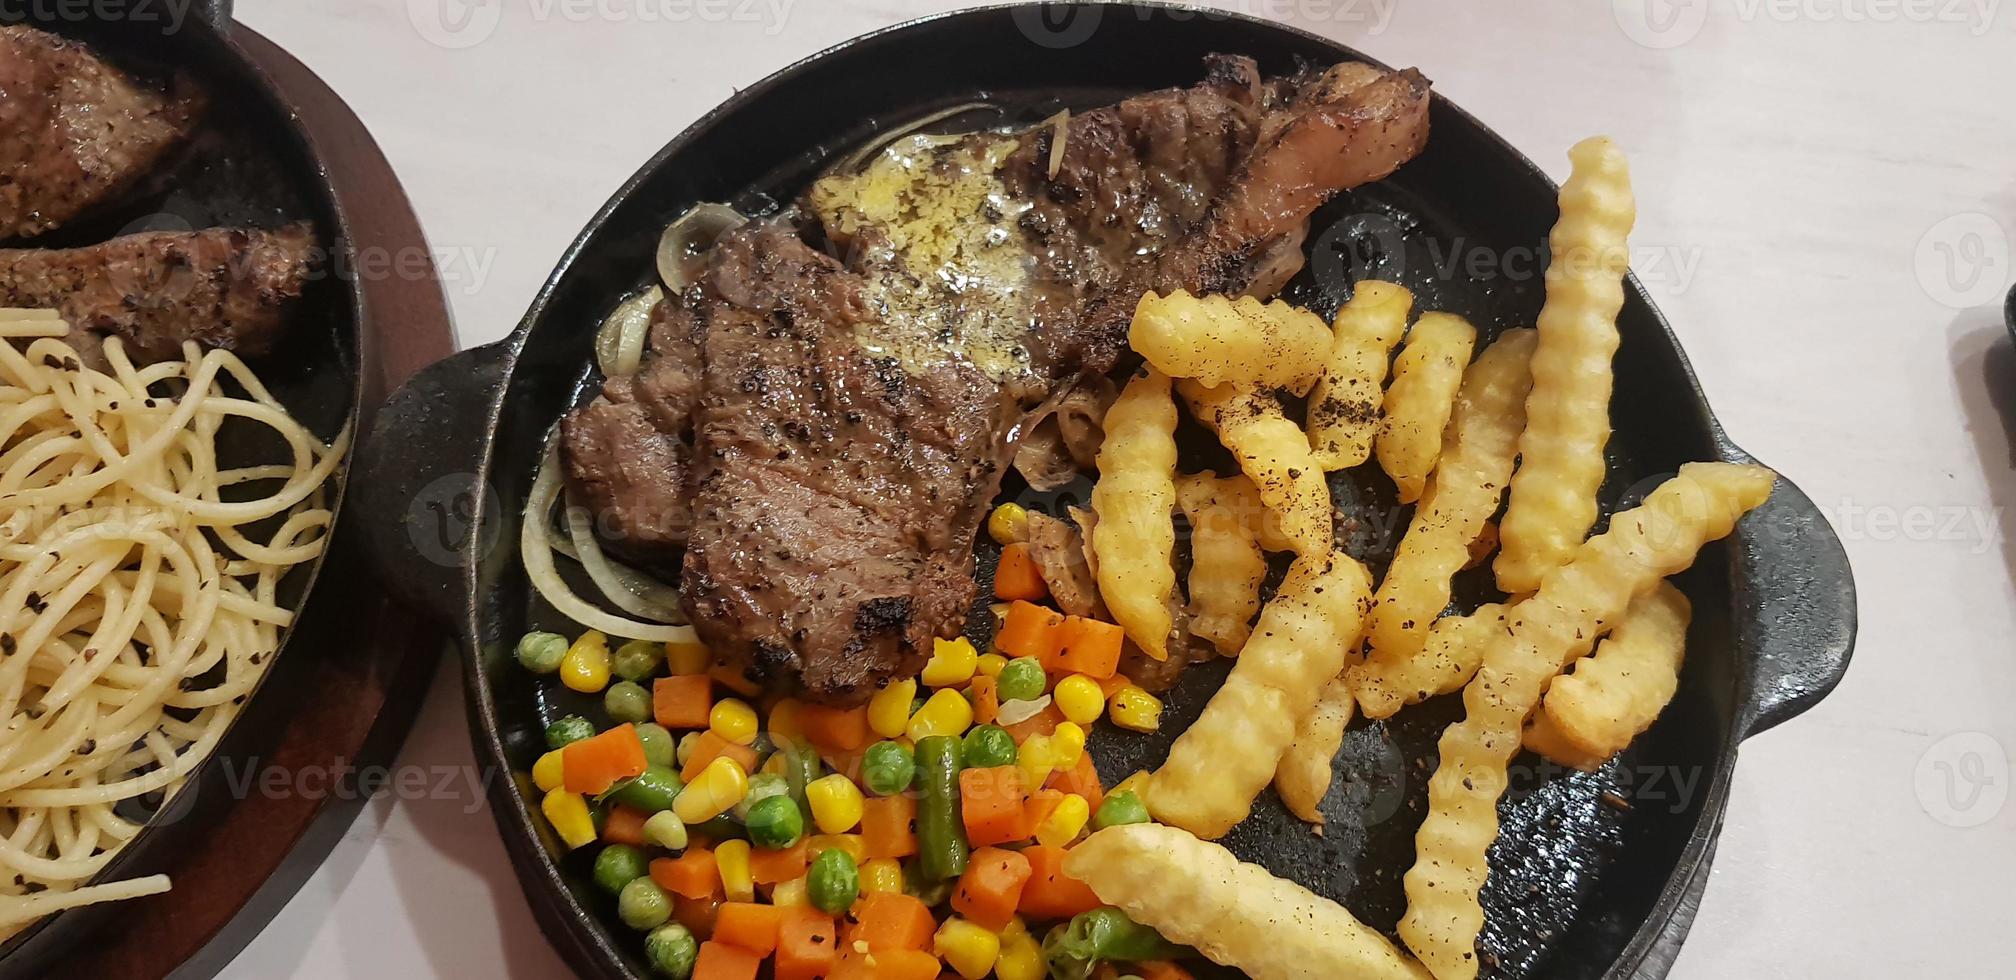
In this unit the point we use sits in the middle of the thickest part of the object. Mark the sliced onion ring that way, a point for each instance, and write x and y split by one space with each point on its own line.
535 549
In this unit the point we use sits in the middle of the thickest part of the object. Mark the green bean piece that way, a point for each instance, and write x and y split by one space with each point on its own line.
572 728
659 747
834 882
637 659
651 791
643 905
801 769
1075 949
774 823
627 702
1022 679
723 827
941 831
887 768
988 747
672 951
540 653
619 865
1120 809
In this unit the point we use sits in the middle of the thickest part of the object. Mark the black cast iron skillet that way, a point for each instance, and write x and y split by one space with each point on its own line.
1596 875
250 165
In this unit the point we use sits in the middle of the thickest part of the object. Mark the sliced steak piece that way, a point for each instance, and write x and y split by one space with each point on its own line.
78 132
224 287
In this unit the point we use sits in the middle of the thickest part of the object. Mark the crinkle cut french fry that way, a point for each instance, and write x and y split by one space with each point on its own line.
1344 407
1477 454
1221 762
1561 466
1641 547
1239 493
1219 340
1611 697
1448 660
1135 501
1546 741
1235 914
1304 774
1226 564
1426 377
1274 453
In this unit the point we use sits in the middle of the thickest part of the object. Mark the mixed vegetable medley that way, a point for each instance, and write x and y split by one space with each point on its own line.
919 835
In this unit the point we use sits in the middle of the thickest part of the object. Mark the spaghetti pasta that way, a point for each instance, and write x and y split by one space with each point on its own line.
139 579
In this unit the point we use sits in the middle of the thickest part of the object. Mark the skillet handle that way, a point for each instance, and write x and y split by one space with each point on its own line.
416 479
1797 605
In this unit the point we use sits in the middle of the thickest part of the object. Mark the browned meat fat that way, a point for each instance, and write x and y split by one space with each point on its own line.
223 287
836 490
74 132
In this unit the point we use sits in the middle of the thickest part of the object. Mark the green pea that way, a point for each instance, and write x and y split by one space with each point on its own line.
762 786
916 705
651 791
688 744
540 653
774 823
627 701
672 950
637 659
834 882
1120 809
659 748
619 865
887 768
572 728
643 905
989 746
1022 679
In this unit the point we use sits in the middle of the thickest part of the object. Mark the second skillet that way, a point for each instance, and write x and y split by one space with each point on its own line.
1595 875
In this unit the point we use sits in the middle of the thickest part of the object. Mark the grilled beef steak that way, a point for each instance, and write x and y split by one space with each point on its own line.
853 419
222 287
77 133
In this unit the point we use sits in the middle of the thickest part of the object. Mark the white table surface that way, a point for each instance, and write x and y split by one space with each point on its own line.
1836 176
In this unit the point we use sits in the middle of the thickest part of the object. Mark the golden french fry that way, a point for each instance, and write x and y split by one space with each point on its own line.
1477 454
1553 497
1426 377
1235 914
1274 453
1135 501
1225 759
1448 660
1226 564
1545 740
1344 407
1591 592
1219 340
1239 493
1304 774
1613 696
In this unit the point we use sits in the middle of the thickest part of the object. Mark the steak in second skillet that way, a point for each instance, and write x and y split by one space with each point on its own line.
850 430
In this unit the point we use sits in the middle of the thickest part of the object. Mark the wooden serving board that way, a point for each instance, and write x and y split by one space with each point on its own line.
357 666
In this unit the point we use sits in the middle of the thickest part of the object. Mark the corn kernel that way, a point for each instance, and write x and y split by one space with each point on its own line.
585 666
568 813
967 948
732 858
1064 823
1136 710
882 875
546 773
733 720
1136 784
786 724
1080 699
889 709
718 787
1021 955
687 658
836 804
665 830
990 664
789 893
854 845
952 662
1038 759
1009 524
1067 743
947 713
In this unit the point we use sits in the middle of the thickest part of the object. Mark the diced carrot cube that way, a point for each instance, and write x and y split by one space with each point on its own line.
682 702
